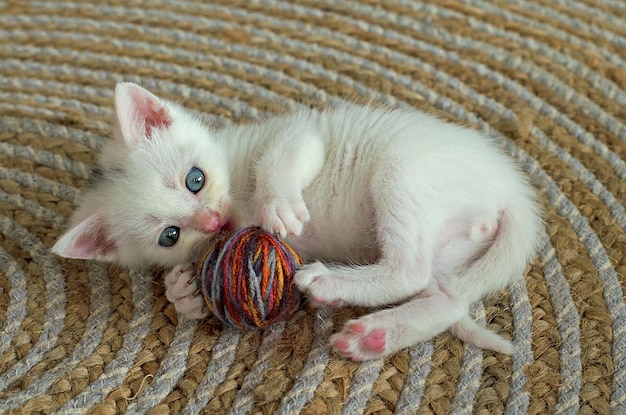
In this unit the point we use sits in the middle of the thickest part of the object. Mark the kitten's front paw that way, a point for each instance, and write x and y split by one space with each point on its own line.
315 280
358 341
284 216
181 288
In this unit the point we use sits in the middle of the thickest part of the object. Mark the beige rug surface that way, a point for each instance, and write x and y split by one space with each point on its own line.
545 78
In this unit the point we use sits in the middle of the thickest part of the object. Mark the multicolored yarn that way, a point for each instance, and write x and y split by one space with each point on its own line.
246 278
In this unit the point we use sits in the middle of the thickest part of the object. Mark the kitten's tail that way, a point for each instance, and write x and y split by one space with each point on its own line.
469 331
513 248
505 260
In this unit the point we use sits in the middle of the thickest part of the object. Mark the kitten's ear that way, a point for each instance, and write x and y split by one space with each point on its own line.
87 240
139 112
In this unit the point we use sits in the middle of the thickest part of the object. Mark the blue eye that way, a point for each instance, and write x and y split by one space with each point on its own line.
169 236
194 180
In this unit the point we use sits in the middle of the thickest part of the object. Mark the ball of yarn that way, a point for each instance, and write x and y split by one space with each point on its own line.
246 277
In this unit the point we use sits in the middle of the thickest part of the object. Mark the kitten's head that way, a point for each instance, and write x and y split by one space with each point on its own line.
160 189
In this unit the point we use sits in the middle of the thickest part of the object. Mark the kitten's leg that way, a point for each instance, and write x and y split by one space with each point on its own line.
405 268
181 288
406 234
385 332
282 171
388 331
366 285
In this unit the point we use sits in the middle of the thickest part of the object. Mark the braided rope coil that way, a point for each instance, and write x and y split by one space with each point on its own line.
546 80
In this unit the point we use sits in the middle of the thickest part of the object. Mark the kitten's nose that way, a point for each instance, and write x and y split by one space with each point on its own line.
206 220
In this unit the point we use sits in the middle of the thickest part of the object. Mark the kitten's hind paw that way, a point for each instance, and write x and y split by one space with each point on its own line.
181 288
358 342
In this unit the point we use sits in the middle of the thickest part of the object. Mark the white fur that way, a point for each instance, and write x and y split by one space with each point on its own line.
386 207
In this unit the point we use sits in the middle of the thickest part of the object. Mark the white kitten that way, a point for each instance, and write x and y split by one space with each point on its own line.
385 206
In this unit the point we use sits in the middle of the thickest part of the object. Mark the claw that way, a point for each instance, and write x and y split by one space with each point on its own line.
183 290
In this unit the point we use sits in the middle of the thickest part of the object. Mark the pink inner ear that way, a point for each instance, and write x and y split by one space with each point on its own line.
94 244
155 116
139 112
87 240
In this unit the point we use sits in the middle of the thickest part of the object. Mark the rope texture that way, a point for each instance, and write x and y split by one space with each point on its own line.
546 79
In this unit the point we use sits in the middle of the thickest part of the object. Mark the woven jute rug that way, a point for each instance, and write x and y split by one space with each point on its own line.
546 79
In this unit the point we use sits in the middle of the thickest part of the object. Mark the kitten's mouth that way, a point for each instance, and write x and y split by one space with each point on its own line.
224 227
227 226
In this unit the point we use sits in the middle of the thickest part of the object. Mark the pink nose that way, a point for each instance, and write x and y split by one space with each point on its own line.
206 221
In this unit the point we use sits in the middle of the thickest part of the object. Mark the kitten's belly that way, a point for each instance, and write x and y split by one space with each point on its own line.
333 242
338 233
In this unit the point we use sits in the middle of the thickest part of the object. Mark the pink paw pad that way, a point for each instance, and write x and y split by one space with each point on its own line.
342 346
376 341
360 342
